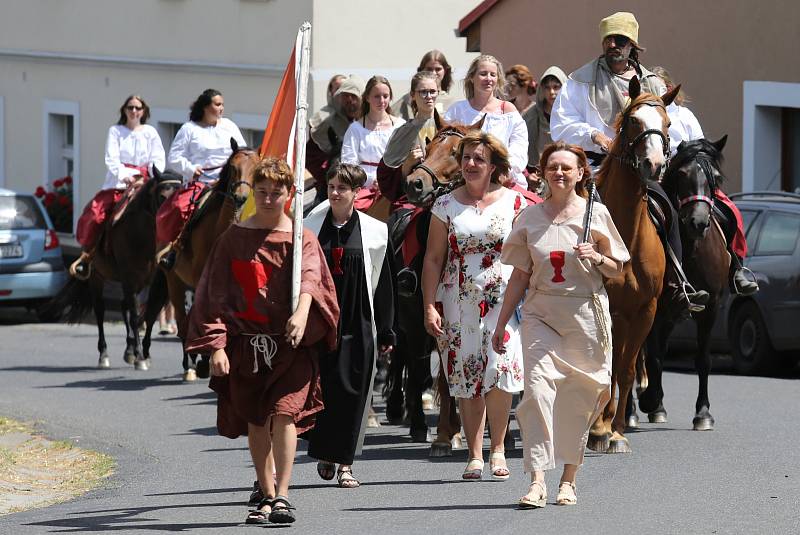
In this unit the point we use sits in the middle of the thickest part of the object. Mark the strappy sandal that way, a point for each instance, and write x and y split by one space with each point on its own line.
498 466
344 476
256 495
474 470
258 515
326 470
540 499
281 511
566 494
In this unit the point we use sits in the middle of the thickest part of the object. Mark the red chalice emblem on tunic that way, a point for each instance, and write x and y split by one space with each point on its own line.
337 253
557 261
251 275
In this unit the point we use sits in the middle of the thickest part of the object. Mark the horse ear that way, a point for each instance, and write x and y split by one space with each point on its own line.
720 144
156 173
427 141
234 145
437 120
634 88
669 96
479 124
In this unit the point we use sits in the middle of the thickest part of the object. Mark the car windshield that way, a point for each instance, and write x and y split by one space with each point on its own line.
20 213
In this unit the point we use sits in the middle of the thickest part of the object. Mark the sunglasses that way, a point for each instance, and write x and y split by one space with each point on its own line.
620 40
427 92
134 108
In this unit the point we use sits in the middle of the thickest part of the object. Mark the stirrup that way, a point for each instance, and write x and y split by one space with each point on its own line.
752 278
693 306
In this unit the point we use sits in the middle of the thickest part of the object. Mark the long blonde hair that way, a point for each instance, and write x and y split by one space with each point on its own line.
469 87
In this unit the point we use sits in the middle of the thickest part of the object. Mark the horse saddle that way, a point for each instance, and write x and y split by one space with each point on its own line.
726 219
405 229
199 208
119 208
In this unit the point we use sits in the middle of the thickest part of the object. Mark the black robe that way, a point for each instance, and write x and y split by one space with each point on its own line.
346 373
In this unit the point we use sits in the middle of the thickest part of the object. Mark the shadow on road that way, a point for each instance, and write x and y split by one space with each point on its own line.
129 518
50 369
119 384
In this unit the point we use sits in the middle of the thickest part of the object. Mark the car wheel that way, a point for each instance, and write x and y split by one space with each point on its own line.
752 349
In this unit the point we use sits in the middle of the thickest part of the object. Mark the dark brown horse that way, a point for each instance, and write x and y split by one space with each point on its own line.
638 155
690 181
429 179
126 251
220 209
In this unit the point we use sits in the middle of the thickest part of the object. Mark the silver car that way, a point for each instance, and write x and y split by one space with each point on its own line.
31 266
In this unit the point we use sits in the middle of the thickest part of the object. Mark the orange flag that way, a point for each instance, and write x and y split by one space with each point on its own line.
280 131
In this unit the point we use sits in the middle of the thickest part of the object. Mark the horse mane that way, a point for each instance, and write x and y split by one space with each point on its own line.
225 173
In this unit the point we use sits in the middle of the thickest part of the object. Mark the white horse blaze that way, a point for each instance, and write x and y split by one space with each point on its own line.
652 120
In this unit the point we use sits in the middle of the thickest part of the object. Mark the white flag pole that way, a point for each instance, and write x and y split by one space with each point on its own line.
301 127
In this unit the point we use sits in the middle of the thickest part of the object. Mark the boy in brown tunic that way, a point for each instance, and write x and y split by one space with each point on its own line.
264 358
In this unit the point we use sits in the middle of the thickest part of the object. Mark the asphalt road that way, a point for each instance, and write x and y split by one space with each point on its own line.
174 474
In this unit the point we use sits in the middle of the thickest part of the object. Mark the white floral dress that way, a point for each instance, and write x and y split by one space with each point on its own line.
470 296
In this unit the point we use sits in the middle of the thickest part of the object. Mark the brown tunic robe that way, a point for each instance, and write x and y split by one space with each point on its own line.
245 290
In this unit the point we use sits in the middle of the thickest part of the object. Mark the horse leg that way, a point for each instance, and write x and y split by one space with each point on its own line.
99 307
133 344
447 432
636 331
651 400
418 380
393 390
156 299
703 421
177 296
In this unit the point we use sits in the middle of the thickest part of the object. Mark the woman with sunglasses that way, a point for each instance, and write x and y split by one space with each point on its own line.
132 147
406 147
199 151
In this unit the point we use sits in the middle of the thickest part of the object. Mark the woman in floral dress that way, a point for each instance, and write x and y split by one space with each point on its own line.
463 284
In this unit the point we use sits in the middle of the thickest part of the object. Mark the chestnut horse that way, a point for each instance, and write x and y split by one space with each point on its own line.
690 181
638 154
125 252
220 209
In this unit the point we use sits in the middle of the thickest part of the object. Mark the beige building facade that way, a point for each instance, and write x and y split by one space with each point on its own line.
736 59
67 66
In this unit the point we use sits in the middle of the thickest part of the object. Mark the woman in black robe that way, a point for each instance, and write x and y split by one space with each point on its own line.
355 246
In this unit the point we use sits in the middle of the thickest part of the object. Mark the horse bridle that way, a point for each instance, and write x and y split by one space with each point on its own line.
439 187
233 185
629 156
705 165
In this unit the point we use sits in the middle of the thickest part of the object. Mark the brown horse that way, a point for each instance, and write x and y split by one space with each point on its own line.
424 183
639 154
221 208
690 181
125 252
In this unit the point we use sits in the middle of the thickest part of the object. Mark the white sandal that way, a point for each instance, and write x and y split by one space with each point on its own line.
540 501
566 494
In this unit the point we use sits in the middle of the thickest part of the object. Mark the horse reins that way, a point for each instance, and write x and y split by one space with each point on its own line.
705 166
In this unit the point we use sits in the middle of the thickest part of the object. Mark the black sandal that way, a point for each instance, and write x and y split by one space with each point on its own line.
326 470
281 511
256 496
259 516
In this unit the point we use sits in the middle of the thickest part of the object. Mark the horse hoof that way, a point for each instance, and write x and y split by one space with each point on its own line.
104 363
420 435
456 442
190 375
703 423
129 357
619 445
427 402
633 421
142 365
441 449
203 369
598 443
658 417
372 421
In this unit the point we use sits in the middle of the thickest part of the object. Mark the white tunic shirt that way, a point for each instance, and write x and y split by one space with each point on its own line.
206 146
365 148
509 128
141 147
684 127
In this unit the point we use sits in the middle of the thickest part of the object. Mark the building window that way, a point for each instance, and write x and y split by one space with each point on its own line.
61 147
2 145
253 137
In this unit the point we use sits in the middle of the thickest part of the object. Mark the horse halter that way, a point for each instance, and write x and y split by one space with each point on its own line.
629 156
705 166
233 185
439 187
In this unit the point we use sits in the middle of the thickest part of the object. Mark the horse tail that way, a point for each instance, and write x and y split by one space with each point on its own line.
72 303
394 374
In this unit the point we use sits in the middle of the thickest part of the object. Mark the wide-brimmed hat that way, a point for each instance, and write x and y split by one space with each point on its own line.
620 23
352 84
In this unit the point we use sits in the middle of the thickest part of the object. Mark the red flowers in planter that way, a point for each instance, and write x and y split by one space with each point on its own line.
58 203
